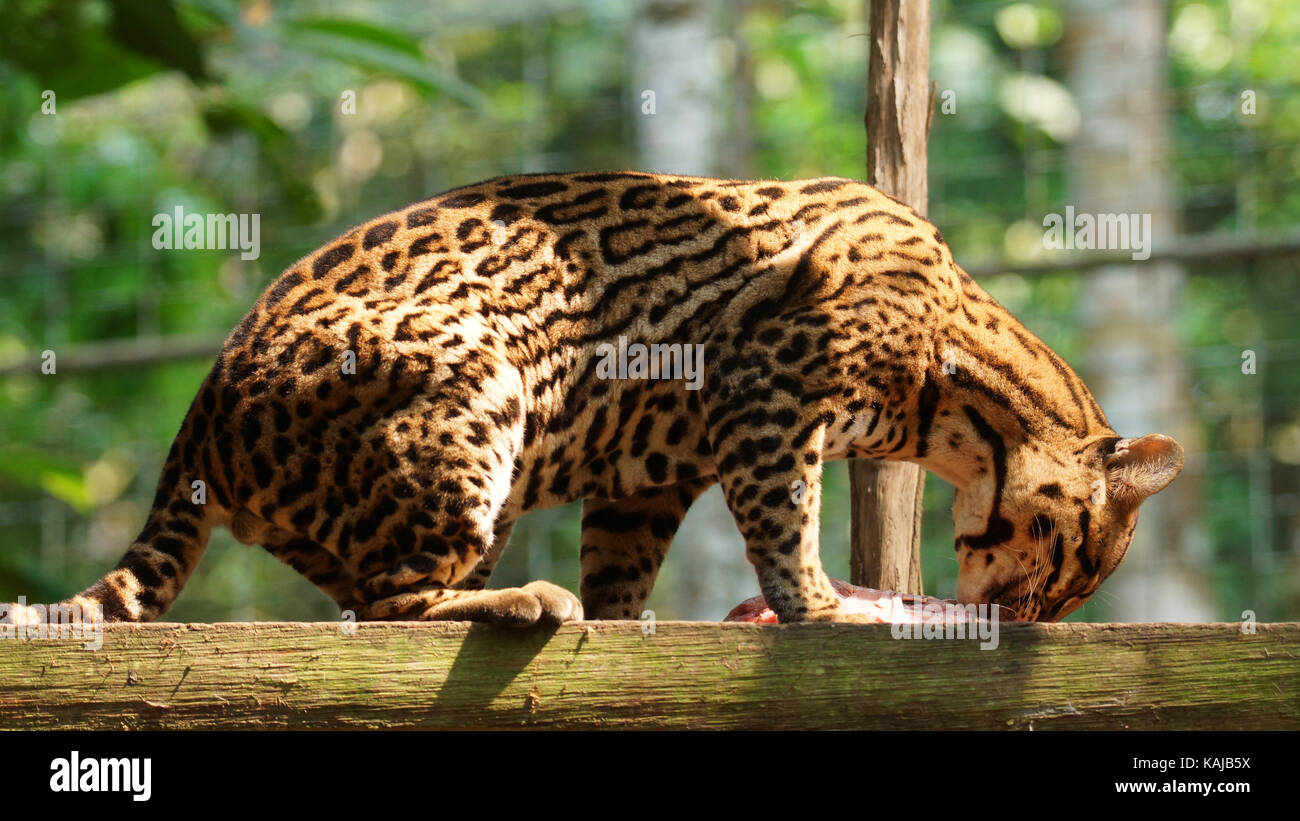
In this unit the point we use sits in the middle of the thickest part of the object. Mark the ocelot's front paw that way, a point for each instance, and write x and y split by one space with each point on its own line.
535 603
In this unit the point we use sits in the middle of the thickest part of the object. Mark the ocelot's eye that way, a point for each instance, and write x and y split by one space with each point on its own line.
1040 527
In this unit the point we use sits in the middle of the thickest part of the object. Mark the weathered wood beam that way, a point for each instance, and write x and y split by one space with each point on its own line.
685 675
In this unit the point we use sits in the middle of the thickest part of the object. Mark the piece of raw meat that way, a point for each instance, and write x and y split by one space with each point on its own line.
883 606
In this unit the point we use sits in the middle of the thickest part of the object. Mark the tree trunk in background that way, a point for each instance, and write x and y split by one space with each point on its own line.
885 541
671 46
1119 163
675 55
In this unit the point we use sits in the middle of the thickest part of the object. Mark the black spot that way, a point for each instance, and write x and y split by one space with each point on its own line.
331 259
785 418
823 186
794 350
927 404
610 574
463 200
656 464
282 287
1081 552
172 547
262 471
251 430
676 431
505 213
141 570
303 518
533 189
465 229
612 521
379 234
281 448
421 217
1058 558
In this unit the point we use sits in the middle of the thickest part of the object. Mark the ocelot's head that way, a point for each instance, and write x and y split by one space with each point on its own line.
1038 533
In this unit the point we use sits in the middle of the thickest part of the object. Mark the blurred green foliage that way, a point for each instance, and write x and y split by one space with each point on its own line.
219 106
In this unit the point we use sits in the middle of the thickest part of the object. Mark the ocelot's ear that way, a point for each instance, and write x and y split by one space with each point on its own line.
1138 468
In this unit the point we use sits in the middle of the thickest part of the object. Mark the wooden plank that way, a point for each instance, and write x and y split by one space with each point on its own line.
885 534
685 675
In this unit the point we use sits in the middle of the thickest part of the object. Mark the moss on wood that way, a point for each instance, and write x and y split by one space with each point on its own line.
685 675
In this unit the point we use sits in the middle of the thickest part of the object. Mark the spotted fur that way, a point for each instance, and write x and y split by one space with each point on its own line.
395 400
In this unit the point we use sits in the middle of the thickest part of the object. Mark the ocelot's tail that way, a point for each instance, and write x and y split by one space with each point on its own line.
150 576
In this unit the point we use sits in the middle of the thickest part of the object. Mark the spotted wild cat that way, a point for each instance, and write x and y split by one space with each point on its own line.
395 400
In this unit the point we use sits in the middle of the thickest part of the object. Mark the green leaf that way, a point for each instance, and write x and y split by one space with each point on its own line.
27 466
151 28
59 478
372 47
69 488
397 41
67 48
232 115
72 61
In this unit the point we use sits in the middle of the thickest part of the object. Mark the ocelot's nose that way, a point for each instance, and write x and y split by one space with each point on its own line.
1004 592
969 590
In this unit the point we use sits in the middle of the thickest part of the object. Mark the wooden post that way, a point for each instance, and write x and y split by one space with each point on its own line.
885 540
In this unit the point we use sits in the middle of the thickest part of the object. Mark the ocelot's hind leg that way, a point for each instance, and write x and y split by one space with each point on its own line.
624 543
409 503
413 569
541 603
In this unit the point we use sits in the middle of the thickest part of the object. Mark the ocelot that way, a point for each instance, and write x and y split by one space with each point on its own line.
397 399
